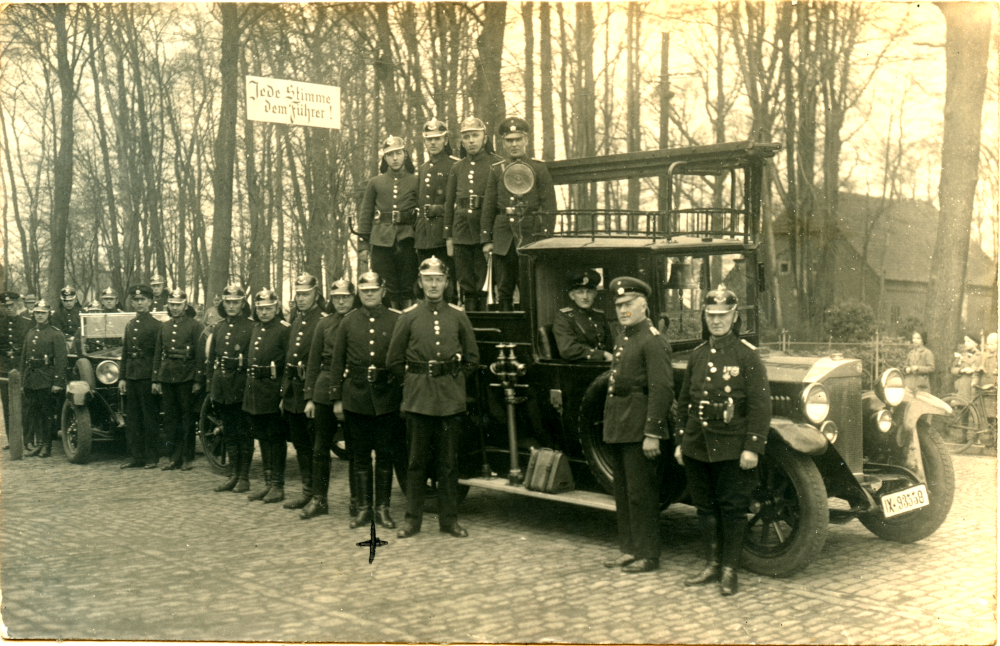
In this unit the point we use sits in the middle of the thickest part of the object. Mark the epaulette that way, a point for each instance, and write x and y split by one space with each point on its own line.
286 323
653 330
455 158
566 310
411 307
323 315
498 163
703 344
748 344
456 307
391 309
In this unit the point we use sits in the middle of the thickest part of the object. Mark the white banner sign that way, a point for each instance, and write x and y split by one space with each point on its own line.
293 103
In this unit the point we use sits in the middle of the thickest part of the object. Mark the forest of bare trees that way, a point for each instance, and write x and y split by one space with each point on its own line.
127 151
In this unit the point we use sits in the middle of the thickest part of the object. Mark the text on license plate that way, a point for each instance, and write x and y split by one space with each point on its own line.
903 501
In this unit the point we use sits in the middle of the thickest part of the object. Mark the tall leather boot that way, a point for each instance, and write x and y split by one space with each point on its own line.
352 482
277 490
243 475
383 493
265 456
235 458
364 485
733 531
321 486
305 461
709 527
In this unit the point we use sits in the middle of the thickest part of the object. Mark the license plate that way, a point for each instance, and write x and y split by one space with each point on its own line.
900 502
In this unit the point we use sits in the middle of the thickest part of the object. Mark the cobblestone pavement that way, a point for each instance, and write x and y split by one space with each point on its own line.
92 552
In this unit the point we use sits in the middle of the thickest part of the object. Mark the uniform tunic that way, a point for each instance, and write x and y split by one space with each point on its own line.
43 358
432 179
297 359
318 376
159 303
68 320
505 230
921 360
175 356
388 192
464 197
439 332
226 368
724 368
141 405
360 378
266 360
582 335
13 329
140 347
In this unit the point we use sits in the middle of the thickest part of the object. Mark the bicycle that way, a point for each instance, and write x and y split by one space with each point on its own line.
973 422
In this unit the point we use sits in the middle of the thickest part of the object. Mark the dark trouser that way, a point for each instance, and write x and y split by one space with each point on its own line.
722 490
302 433
41 412
637 501
443 433
470 273
383 434
179 418
505 270
325 425
397 265
271 432
142 419
236 431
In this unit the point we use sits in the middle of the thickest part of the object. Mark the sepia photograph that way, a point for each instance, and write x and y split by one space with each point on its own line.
631 322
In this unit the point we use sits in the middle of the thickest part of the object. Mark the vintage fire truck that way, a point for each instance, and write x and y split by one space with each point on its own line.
835 453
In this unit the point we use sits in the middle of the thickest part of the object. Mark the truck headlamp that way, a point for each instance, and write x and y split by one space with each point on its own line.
107 372
890 387
816 403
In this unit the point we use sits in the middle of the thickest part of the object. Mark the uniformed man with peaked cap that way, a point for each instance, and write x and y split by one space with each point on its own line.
640 393
13 329
43 378
158 283
723 418
509 220
109 301
67 316
142 423
175 368
386 219
433 350
309 306
463 210
262 397
225 377
432 180
581 332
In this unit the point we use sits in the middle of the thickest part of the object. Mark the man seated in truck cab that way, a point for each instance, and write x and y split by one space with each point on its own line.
580 331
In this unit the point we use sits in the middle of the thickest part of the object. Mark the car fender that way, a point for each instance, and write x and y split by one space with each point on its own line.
908 414
78 393
804 438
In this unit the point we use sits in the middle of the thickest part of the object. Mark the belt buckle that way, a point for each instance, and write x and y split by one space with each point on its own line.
372 374
701 409
397 217
475 202
511 210
730 411
430 368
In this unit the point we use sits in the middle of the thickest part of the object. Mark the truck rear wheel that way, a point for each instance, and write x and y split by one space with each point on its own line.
596 452
921 523
789 513
213 442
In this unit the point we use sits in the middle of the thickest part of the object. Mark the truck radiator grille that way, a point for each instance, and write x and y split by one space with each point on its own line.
845 411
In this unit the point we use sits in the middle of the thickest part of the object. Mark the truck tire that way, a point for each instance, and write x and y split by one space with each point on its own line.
591 432
213 442
789 513
86 372
77 433
919 524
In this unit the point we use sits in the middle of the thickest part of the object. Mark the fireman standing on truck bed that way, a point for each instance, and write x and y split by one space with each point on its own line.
724 413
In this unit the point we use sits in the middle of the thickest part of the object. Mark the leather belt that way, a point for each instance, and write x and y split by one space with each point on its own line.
617 391
370 374
299 371
36 363
433 368
263 372
473 202
229 364
426 213
177 354
726 411
396 216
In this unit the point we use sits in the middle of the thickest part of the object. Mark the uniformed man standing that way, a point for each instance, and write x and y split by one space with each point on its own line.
432 180
463 211
43 370
319 404
175 367
158 283
509 220
226 380
13 329
369 396
136 383
262 397
433 350
385 222
640 393
581 332
724 414
309 305
67 318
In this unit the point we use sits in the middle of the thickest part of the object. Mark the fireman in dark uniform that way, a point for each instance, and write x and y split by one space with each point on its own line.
724 413
463 210
385 222
433 350
226 380
432 180
13 329
158 284
640 393
109 301
136 383
309 311
29 300
67 318
581 332
262 397
369 396
509 220
175 367
319 405
43 370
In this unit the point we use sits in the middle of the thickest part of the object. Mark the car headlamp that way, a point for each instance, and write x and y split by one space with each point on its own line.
829 431
883 419
816 403
890 387
107 372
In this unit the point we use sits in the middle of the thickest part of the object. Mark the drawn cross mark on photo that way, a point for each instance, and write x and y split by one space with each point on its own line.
373 543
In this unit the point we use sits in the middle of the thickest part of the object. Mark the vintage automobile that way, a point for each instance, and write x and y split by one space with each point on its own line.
834 453
94 409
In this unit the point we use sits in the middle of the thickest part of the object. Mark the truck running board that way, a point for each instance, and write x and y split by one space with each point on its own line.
575 497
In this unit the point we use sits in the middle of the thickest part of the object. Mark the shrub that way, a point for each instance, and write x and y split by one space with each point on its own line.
850 322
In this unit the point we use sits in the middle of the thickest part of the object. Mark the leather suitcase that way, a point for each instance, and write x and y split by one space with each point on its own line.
549 472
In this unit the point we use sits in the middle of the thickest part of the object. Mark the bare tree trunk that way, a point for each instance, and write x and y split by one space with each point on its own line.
633 134
584 109
967 47
545 42
527 17
487 92
63 168
385 72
